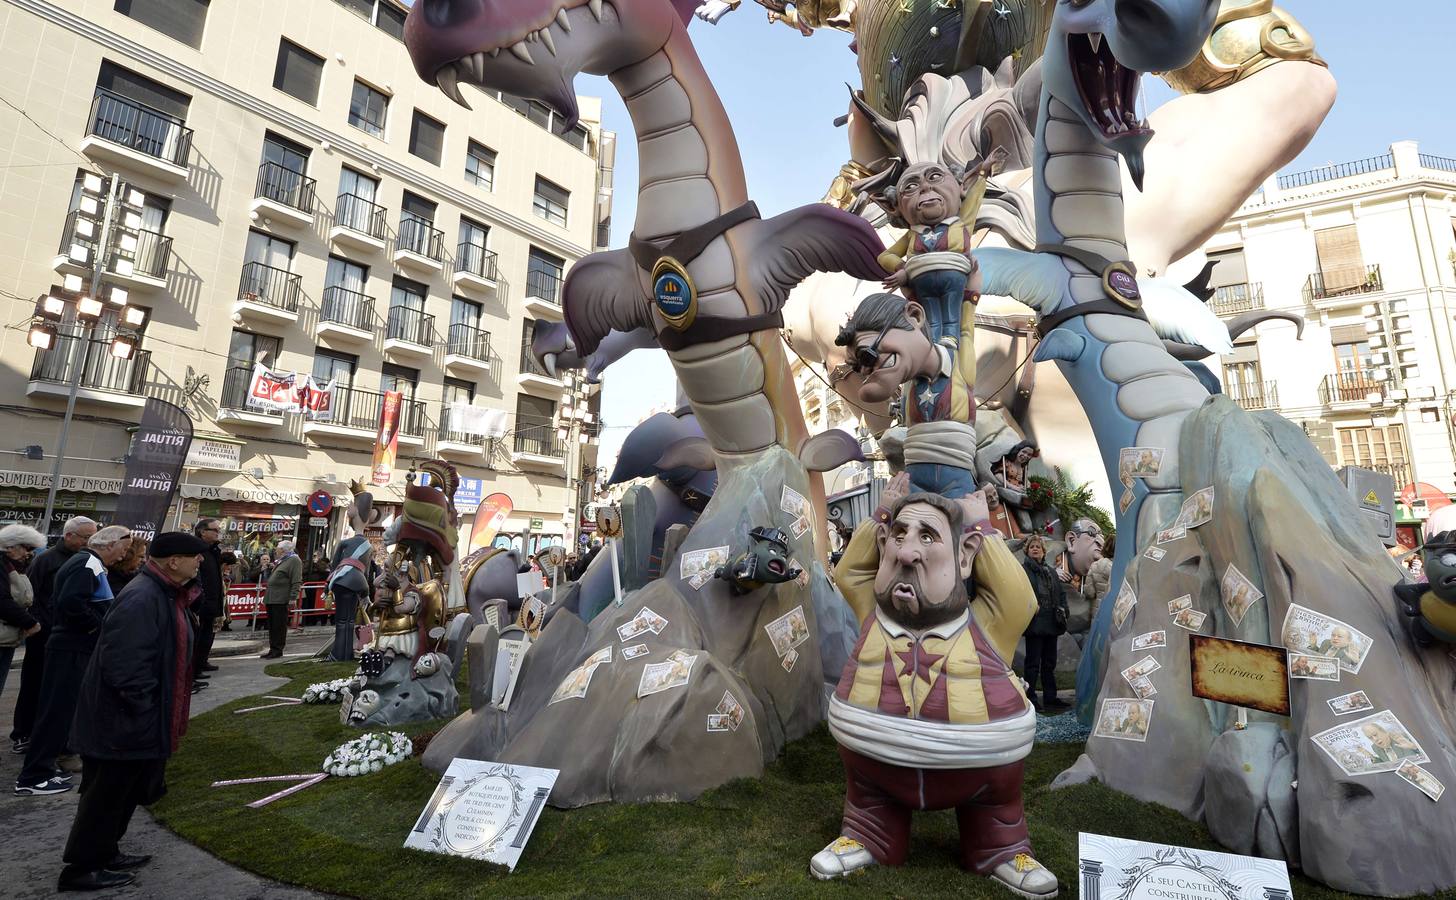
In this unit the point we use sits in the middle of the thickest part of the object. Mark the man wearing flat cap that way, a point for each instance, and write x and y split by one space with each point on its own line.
133 710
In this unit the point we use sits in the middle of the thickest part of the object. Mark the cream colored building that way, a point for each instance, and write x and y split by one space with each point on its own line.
1365 252
302 201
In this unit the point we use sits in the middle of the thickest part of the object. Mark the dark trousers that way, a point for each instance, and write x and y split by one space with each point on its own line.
202 643
879 798
277 626
60 689
346 605
940 293
111 790
1041 660
31 669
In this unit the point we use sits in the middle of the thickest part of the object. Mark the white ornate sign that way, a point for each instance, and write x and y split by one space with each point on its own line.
207 453
483 810
1117 869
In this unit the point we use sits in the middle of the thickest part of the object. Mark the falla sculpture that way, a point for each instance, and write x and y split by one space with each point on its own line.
1245 513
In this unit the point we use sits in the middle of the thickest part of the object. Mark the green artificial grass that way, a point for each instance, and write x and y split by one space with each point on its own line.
748 838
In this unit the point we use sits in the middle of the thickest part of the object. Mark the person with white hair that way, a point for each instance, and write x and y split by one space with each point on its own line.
42 576
283 587
81 601
18 544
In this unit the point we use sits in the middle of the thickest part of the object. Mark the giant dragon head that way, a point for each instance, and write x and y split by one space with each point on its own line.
535 48
1098 50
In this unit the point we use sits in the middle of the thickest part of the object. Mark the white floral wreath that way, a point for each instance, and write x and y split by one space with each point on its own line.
368 753
326 691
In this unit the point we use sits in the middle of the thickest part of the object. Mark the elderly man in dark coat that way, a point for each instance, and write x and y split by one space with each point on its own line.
211 601
133 711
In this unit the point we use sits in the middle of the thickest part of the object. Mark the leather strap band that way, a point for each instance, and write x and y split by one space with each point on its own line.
687 246
706 329
1096 263
1103 306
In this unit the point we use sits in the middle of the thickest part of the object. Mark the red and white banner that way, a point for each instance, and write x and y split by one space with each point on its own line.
292 392
386 441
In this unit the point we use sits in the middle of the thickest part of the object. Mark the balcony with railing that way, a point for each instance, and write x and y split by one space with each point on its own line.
346 314
121 130
537 447
1398 470
268 293
138 258
419 245
409 332
533 374
1336 171
1232 299
359 223
543 294
467 348
284 194
104 378
357 413
1342 286
475 267
458 443
233 403
1352 389
1253 395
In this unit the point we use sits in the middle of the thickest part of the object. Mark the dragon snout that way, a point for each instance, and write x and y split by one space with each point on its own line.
446 13
1162 35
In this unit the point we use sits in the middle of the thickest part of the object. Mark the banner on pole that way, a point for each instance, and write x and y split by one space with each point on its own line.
489 517
386 441
153 468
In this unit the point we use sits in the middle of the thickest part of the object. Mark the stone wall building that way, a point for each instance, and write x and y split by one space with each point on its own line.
291 195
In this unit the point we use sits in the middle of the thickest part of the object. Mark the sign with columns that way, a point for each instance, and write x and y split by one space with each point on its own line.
1117 869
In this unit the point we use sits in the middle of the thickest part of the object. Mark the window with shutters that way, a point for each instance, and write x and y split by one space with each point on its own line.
143 91
367 109
1381 449
181 20
1354 377
427 138
298 72
1232 291
1341 264
550 202
480 166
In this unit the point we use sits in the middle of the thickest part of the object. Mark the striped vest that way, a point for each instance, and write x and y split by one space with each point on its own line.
953 675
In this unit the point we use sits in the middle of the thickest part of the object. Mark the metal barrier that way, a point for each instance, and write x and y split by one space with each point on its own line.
244 602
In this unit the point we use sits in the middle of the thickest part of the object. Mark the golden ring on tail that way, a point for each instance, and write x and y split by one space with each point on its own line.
1248 37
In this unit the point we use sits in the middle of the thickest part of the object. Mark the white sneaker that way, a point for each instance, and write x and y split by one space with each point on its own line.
1026 877
844 856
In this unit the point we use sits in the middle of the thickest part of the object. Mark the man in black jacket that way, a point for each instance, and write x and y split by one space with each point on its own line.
42 574
78 607
211 602
133 711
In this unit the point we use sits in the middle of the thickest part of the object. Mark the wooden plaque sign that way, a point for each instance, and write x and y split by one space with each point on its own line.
1239 673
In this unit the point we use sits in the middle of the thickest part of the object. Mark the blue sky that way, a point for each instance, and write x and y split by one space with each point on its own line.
783 91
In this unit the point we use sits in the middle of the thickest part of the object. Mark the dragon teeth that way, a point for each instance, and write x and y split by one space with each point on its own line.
563 21
596 9
477 66
446 78
547 40
494 52
524 55
1095 38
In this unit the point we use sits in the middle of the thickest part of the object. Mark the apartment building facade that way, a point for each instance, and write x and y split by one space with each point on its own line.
291 196
1365 252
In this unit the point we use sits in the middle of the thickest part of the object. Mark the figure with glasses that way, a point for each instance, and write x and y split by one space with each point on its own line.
891 348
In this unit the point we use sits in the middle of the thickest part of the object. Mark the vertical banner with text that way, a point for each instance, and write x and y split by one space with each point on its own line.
153 468
489 517
386 442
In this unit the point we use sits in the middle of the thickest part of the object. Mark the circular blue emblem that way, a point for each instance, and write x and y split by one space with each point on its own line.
674 295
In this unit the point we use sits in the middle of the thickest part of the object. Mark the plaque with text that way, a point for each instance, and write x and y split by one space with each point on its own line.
1254 676
1117 869
483 810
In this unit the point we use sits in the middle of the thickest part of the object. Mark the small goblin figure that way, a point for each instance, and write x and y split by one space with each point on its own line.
932 262
1430 608
766 561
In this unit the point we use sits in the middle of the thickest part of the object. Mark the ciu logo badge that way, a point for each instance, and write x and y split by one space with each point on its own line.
673 293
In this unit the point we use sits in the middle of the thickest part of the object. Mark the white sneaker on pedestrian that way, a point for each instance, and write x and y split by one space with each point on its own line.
49 786
1026 877
844 856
